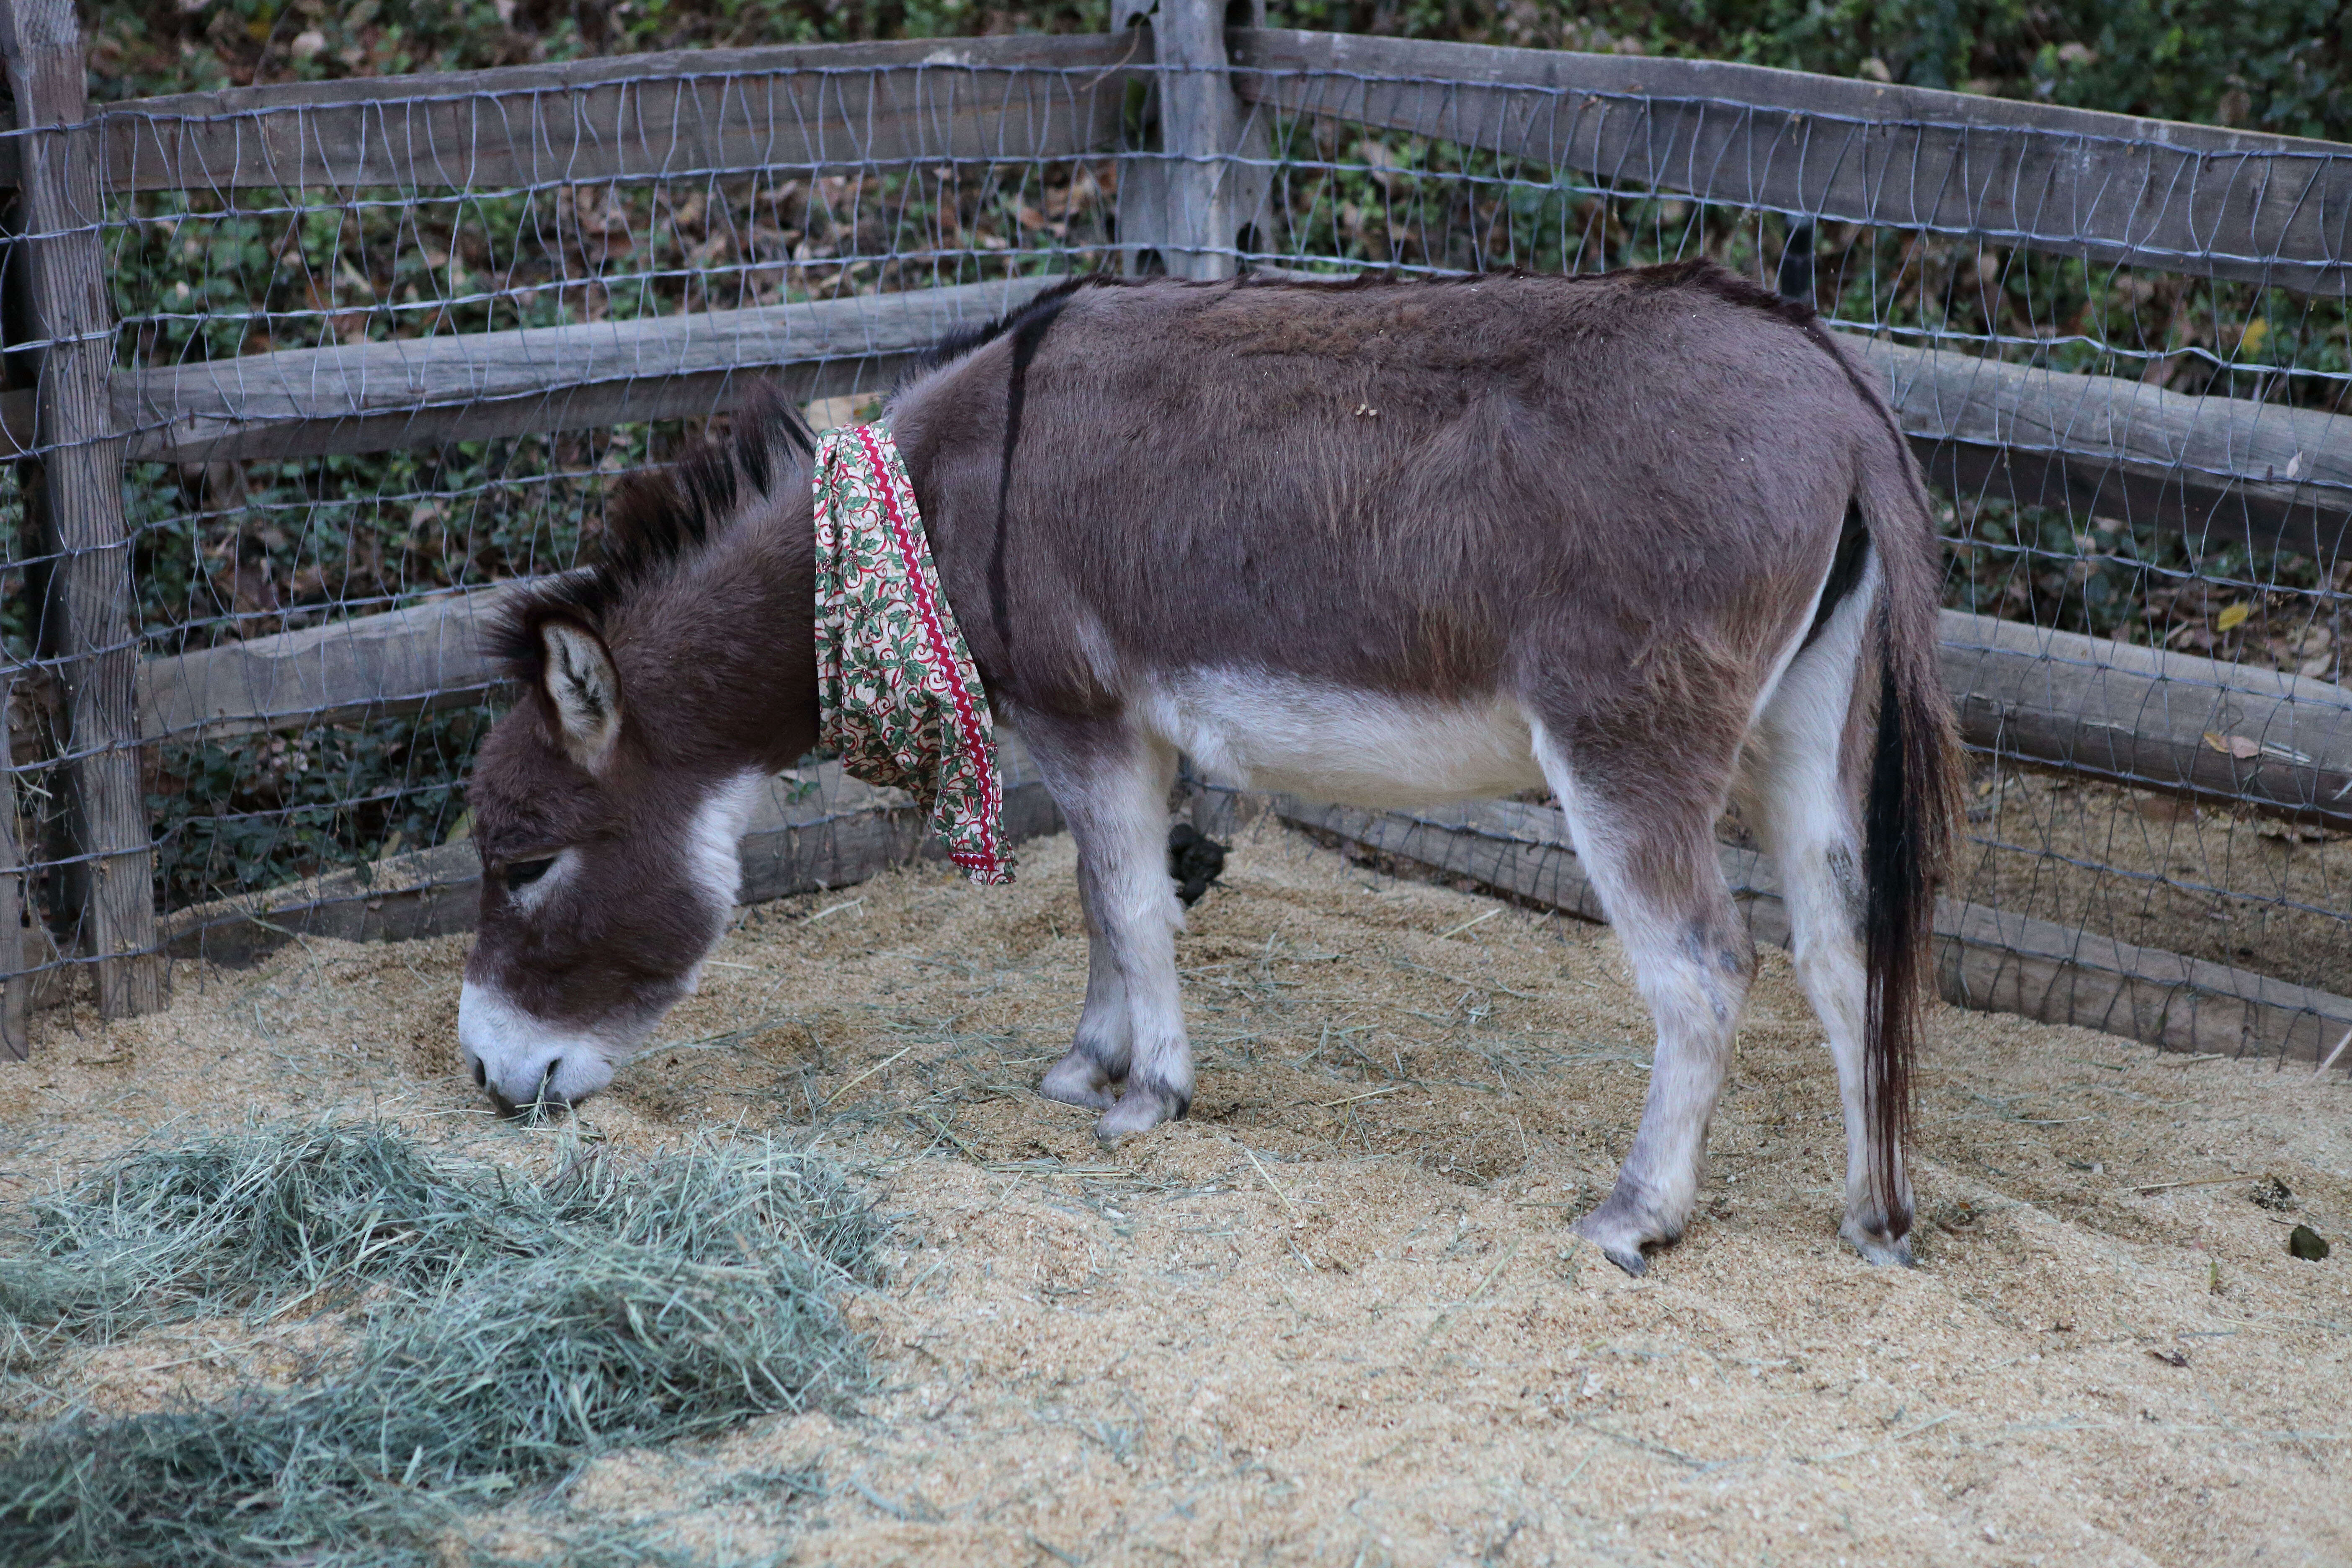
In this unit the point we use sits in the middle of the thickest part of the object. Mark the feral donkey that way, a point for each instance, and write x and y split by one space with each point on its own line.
1650 538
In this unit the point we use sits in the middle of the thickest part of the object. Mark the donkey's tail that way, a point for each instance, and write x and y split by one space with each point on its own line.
1911 804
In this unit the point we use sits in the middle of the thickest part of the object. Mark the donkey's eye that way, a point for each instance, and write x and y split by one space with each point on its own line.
522 874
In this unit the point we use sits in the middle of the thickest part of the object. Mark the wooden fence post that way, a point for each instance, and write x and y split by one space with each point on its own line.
87 619
1193 203
16 983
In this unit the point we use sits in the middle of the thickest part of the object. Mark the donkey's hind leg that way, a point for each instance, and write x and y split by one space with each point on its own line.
1644 832
1803 781
1111 782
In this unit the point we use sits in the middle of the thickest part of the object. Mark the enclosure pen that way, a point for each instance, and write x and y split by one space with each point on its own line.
301 380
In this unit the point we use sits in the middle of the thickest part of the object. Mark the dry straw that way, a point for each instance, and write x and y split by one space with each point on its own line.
517 1327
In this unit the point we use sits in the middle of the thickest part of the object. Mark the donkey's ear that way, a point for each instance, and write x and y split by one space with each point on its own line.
584 690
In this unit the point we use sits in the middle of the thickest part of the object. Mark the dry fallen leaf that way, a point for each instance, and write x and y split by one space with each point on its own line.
2233 617
2237 747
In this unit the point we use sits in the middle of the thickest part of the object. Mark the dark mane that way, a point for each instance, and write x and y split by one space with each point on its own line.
656 518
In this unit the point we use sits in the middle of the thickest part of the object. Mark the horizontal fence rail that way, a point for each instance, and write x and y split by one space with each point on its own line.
1989 959
638 117
691 113
373 397
2106 187
2229 467
2139 716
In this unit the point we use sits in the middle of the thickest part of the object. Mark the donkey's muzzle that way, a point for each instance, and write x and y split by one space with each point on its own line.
527 1065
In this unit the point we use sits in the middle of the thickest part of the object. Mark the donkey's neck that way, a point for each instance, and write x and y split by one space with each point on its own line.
718 659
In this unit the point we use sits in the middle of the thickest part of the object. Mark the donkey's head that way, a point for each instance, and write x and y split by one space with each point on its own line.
657 695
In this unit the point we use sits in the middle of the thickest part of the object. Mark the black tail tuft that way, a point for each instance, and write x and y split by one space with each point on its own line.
1903 834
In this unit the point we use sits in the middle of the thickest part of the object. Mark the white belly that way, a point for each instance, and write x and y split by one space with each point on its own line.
1335 743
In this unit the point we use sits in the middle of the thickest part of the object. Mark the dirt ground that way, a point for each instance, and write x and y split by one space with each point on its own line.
1337 1317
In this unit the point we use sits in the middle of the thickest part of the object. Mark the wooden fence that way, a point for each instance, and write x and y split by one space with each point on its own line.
2104 188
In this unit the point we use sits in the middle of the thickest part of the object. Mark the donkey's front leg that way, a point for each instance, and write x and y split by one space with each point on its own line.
1111 782
1091 1074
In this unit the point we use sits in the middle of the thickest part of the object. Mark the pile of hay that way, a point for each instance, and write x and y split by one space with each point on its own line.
491 1331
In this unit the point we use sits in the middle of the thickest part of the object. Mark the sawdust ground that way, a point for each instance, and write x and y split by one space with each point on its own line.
1337 1317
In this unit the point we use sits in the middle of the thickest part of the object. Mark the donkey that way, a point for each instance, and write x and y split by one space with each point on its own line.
1650 538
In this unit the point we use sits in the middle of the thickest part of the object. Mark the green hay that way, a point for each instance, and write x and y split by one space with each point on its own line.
619 1306
720 1203
244 1220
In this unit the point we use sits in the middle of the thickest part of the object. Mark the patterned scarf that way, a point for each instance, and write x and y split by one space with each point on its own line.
897 698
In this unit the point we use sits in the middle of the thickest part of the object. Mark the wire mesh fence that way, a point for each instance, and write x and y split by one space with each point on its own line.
376 348
371 358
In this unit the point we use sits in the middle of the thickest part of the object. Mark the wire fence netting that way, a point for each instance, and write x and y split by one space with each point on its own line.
389 356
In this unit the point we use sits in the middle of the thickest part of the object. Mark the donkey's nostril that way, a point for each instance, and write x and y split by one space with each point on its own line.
481 1075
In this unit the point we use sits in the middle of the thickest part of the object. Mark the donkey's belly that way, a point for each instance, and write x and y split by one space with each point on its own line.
1337 744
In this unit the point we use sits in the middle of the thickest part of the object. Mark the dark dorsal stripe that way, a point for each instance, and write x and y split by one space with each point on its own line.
1028 330
969 339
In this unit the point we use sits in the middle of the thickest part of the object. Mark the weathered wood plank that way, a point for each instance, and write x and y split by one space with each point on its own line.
696 112
78 495
2221 470
1985 959
2141 716
810 831
376 396
426 657
2107 187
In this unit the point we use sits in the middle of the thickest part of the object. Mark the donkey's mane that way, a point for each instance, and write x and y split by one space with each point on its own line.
656 519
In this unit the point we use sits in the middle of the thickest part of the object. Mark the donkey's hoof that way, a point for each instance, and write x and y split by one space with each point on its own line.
1629 1258
1620 1232
1139 1110
1079 1079
1877 1246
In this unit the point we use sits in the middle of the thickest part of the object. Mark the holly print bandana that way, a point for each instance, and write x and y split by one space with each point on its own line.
897 698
